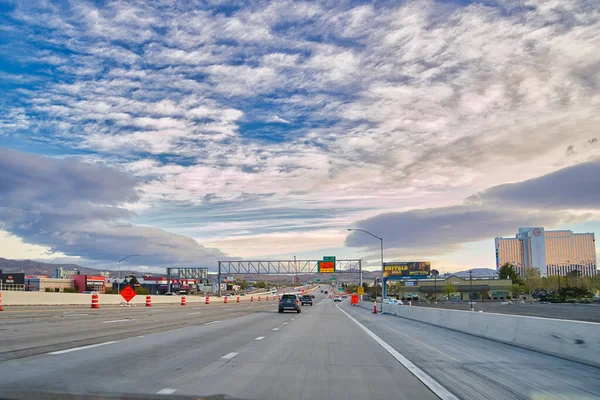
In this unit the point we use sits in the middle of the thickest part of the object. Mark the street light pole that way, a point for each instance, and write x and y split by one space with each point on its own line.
471 290
119 269
382 283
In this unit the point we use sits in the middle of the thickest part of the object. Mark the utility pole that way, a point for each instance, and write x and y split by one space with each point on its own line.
471 290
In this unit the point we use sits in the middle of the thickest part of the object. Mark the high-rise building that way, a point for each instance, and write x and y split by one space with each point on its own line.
552 252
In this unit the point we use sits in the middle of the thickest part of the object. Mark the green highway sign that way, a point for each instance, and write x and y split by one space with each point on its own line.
328 258
318 280
332 279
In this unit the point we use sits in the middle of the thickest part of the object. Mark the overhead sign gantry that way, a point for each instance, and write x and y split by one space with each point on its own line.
289 267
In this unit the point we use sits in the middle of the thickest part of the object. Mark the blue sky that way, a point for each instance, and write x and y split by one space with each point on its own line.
266 130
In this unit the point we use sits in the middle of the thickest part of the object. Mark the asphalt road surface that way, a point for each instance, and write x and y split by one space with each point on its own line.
576 312
250 351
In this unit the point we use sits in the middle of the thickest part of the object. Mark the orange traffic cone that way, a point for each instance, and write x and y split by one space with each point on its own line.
258 298
207 300
95 301
148 301
238 299
267 298
251 299
226 300
183 301
375 307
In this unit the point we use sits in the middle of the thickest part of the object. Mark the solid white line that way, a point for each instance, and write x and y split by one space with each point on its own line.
427 380
194 313
285 323
166 391
292 319
275 329
260 338
210 323
229 309
229 356
117 320
82 348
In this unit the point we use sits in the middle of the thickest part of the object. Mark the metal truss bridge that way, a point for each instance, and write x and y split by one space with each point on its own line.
284 267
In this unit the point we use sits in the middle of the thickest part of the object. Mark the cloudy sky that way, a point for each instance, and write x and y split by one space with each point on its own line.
189 133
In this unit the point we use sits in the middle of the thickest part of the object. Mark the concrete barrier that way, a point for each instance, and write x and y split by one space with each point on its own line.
572 340
10 298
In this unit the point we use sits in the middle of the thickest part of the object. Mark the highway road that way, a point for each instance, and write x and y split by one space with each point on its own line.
576 312
250 351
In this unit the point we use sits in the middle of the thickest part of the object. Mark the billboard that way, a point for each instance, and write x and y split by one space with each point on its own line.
412 269
326 266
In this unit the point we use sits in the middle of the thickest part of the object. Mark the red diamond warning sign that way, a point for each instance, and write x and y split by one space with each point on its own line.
128 293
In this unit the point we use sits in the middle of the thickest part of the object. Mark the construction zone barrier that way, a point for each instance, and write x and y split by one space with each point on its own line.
226 300
267 299
183 301
258 298
207 300
251 299
95 301
148 301
238 299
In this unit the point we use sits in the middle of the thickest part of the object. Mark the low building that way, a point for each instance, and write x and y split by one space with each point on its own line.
44 284
87 283
12 281
430 288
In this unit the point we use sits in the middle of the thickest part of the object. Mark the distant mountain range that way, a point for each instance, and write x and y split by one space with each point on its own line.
476 272
30 267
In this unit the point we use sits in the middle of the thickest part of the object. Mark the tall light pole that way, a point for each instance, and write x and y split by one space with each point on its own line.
471 290
119 269
381 241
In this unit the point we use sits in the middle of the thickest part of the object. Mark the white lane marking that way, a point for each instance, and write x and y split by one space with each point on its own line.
260 338
210 323
292 319
194 313
275 329
140 336
73 315
117 320
82 348
285 323
166 391
229 356
427 380
229 309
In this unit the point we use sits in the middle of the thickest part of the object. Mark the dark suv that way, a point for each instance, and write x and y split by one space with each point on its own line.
306 299
290 302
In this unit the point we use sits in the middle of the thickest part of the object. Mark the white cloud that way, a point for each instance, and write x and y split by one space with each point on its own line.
372 107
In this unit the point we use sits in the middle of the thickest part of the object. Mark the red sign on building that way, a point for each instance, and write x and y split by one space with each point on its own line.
128 293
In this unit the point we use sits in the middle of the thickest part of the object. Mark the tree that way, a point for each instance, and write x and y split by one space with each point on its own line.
448 290
533 281
133 280
516 290
243 284
507 271
261 285
484 294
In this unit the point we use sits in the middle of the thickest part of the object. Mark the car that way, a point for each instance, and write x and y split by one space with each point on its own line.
290 302
321 291
306 299
242 294
337 298
344 297
169 294
312 296
326 292
90 292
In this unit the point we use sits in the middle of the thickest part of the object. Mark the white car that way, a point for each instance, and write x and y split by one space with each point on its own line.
392 301
337 298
